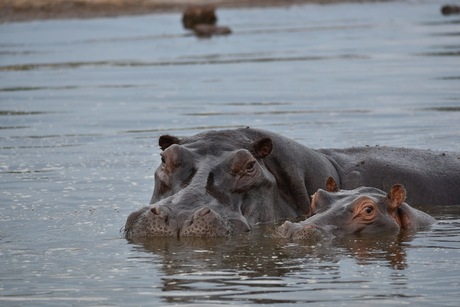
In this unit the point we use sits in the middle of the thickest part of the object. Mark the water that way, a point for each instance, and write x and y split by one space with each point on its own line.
82 103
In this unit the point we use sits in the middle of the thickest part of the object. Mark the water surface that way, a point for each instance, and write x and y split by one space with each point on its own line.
82 103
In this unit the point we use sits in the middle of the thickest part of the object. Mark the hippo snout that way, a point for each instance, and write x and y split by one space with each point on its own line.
312 234
204 222
148 222
309 233
160 212
163 221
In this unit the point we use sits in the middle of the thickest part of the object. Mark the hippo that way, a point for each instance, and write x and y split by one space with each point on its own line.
447 10
218 183
364 210
202 19
199 14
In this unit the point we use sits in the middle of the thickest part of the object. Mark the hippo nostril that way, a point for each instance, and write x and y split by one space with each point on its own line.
159 213
155 211
204 212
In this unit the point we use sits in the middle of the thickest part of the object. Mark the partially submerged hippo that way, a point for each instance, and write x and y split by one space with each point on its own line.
199 14
202 19
335 212
223 182
447 10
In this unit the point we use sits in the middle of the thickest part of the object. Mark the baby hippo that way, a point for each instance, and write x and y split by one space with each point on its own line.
335 212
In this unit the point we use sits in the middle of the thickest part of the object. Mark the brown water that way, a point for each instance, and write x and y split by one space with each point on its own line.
82 103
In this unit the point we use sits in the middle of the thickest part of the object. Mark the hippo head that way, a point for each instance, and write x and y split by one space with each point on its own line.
210 184
335 212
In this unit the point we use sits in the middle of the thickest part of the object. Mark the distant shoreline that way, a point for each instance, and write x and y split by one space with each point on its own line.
25 10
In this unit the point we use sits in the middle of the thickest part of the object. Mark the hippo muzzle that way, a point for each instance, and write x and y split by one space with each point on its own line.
168 218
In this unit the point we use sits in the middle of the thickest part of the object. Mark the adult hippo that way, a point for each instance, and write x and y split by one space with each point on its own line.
223 182
335 212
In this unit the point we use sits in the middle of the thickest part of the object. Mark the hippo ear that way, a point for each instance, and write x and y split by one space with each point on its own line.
331 185
167 140
262 147
397 196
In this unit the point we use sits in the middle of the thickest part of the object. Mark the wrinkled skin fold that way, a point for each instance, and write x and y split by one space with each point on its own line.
224 182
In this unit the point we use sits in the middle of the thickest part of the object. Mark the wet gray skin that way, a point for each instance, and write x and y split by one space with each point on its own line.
224 182
364 210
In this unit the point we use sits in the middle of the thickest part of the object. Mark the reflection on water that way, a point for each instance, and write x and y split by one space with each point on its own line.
259 269
82 103
258 254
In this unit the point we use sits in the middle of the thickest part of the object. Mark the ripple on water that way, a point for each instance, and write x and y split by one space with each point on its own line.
81 113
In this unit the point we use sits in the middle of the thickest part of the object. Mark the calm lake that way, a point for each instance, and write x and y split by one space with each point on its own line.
83 102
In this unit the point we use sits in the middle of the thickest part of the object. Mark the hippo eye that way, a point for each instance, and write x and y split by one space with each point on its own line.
365 211
368 209
250 166
163 159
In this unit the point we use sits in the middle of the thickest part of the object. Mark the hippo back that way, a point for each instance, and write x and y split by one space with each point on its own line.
433 177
